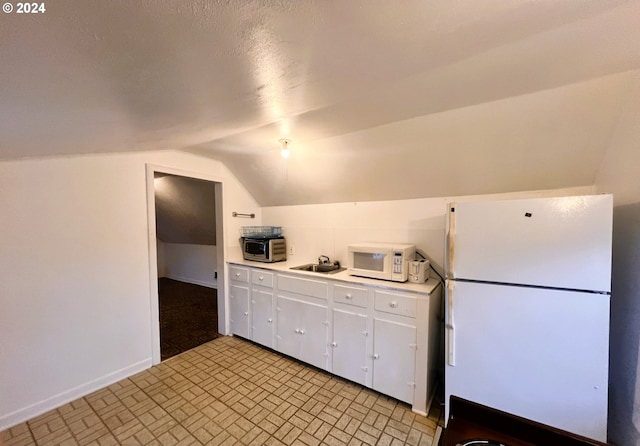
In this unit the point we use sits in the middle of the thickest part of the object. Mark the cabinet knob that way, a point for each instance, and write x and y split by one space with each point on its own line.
260 278
246 313
334 344
297 331
393 304
237 274
301 332
348 296
376 356
270 320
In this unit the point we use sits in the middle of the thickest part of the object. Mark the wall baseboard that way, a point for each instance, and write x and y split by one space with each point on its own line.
213 284
21 415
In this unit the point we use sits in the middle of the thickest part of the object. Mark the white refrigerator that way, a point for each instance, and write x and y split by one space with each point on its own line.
527 308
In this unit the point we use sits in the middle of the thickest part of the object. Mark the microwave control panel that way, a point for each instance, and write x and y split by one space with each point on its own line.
397 262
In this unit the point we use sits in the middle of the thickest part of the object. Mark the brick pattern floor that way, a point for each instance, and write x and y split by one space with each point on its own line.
229 392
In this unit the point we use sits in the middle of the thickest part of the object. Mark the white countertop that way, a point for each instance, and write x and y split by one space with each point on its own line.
343 276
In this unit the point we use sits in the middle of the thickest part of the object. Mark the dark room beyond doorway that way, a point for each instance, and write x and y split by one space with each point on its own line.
188 316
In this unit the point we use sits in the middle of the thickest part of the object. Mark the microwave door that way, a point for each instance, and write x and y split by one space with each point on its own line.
371 264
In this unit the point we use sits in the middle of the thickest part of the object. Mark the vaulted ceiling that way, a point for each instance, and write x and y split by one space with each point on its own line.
381 99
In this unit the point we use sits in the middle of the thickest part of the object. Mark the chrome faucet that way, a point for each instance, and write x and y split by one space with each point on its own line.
324 260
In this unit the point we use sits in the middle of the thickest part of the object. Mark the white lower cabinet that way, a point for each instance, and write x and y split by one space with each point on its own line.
349 346
239 310
262 317
251 304
239 301
262 307
302 330
303 319
394 359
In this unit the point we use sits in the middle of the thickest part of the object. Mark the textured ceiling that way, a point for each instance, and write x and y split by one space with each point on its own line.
381 99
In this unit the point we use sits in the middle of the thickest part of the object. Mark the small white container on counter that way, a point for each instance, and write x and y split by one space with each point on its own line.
418 271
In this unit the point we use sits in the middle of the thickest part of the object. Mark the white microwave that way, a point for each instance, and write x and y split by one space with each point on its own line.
386 261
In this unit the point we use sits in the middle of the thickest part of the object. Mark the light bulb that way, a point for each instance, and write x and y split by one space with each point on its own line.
285 152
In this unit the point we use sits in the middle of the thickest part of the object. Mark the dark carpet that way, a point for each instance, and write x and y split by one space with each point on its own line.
188 316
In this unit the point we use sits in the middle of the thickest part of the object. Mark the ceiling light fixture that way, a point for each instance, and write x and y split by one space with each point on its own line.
285 152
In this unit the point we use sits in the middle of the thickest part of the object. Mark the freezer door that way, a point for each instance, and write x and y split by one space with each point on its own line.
540 354
554 242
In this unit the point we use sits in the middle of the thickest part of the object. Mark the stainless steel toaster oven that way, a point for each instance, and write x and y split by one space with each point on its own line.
264 249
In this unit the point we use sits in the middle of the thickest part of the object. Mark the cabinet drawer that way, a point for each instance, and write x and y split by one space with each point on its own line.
351 295
261 277
401 304
306 287
239 274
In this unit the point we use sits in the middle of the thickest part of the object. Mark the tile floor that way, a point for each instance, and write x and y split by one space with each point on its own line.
229 392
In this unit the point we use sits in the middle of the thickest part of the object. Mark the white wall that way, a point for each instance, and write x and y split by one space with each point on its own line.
74 272
190 263
620 175
619 172
328 228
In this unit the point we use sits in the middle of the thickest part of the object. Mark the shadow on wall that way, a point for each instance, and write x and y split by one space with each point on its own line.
624 383
185 210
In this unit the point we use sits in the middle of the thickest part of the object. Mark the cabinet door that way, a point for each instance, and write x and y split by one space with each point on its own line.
239 310
262 317
314 328
394 353
287 337
349 346
302 331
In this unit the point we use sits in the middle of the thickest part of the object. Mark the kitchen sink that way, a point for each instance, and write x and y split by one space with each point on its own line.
319 268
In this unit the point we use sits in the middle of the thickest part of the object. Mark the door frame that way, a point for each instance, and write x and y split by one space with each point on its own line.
151 170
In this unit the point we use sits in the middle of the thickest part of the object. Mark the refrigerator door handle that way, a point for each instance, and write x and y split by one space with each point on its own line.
450 242
451 339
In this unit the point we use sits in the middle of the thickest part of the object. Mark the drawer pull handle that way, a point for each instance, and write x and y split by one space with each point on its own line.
376 356
393 304
246 313
237 274
301 332
334 344
260 278
348 296
297 330
270 320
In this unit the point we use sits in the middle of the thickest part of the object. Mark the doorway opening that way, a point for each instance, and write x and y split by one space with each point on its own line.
186 260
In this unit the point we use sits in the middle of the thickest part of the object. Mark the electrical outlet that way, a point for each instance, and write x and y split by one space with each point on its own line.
291 250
